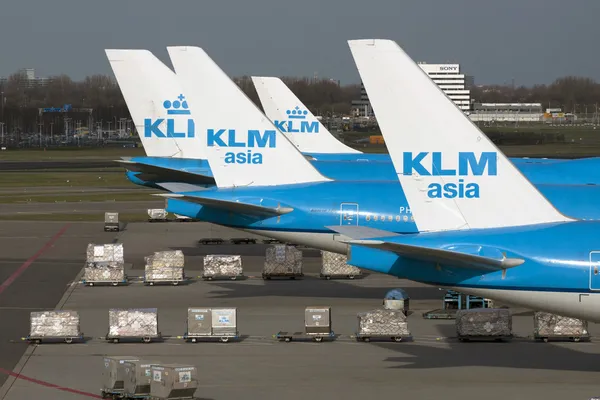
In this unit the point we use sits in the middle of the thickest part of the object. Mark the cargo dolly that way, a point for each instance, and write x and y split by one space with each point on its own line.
211 241
221 277
66 339
547 338
367 338
290 275
145 339
315 337
174 281
242 240
340 276
113 283
491 338
224 338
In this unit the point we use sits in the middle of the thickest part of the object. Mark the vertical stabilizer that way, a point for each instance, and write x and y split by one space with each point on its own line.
453 176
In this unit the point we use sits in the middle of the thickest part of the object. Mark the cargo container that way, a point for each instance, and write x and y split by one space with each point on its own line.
384 323
317 326
335 266
157 215
484 323
164 267
222 267
551 326
135 323
113 375
173 381
54 325
396 299
208 323
282 261
138 375
111 222
104 273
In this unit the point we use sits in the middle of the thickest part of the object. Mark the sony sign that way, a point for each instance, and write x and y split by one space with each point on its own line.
448 68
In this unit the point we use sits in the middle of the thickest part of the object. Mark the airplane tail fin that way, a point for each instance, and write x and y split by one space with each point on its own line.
157 105
453 176
295 120
244 148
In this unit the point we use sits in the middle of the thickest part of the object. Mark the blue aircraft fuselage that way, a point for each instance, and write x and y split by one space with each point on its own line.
380 205
560 273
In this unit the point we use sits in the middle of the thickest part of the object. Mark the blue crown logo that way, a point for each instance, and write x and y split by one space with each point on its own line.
177 107
296 113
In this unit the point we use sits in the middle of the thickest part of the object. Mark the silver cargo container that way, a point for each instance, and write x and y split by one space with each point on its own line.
335 265
282 260
224 321
317 320
105 252
104 272
222 266
211 322
157 214
164 266
382 323
113 374
173 381
548 326
138 375
396 299
484 323
133 323
59 324
111 221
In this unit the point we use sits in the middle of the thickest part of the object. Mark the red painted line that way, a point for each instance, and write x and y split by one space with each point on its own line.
48 384
27 263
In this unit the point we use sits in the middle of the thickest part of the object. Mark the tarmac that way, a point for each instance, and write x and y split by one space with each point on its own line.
42 264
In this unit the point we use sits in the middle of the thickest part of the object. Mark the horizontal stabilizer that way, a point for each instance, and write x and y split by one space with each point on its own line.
446 257
157 173
233 206
360 232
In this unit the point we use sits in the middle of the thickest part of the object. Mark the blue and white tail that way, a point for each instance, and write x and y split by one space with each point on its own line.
244 148
295 120
453 176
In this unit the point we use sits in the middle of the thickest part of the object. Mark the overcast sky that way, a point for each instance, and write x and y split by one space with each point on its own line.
532 41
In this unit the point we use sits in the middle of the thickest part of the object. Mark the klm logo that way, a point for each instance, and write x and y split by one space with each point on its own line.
468 165
176 107
296 122
253 141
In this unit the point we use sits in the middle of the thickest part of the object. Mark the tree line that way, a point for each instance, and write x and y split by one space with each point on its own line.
98 99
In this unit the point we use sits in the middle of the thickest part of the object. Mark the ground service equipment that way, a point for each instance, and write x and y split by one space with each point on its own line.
111 222
282 261
317 326
211 323
113 375
157 215
334 265
164 267
396 299
138 375
222 267
388 324
55 325
173 382
105 264
132 324
551 326
484 323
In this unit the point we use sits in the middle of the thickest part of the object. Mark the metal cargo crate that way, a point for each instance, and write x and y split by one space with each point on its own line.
397 299
165 267
111 252
111 222
335 265
157 215
222 267
135 323
54 325
104 272
138 375
317 320
282 261
204 323
390 324
113 374
484 323
551 326
173 381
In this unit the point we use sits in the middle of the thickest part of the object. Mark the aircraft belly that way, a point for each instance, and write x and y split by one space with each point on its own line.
584 306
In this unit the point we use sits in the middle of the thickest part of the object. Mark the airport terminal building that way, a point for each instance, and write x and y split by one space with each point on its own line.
447 76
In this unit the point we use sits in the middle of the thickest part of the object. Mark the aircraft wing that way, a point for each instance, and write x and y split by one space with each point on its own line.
442 256
233 206
361 232
155 173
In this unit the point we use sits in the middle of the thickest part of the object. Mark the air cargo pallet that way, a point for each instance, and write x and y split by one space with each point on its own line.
289 276
468 338
223 338
66 339
242 240
173 282
221 277
340 276
113 283
211 241
367 338
315 337
440 314
111 227
145 339
546 339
